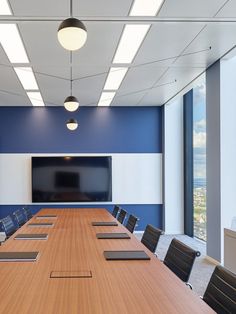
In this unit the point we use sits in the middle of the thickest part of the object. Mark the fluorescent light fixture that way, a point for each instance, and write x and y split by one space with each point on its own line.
106 98
27 78
36 99
146 7
114 78
5 8
12 44
131 39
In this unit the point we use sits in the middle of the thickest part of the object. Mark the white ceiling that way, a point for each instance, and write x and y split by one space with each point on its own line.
176 49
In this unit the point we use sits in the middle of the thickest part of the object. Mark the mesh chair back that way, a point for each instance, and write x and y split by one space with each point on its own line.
115 211
151 237
121 216
220 293
27 213
131 223
180 258
19 217
8 226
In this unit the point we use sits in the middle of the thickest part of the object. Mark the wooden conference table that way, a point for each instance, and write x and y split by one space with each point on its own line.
115 286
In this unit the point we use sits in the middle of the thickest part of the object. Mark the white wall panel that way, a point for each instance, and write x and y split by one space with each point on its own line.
136 178
15 179
174 192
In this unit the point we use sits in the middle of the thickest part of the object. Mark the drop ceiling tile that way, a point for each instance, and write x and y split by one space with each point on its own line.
53 91
165 41
190 8
40 8
221 38
3 57
101 8
41 43
101 44
11 100
140 78
126 100
9 81
183 76
88 91
229 10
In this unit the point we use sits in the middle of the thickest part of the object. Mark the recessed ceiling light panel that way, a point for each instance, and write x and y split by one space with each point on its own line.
36 99
131 39
106 98
115 77
146 7
26 77
12 44
5 8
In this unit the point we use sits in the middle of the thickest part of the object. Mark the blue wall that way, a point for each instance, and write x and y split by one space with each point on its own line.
101 130
146 213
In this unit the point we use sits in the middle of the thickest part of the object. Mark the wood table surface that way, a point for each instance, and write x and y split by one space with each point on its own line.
115 286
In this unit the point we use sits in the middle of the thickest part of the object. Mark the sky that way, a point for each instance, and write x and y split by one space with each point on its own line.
199 129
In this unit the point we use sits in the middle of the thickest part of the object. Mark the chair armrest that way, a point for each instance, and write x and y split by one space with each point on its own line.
189 285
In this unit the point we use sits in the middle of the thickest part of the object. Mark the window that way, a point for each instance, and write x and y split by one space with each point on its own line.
199 158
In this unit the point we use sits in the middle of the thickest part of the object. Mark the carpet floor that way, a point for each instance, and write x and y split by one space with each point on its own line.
202 268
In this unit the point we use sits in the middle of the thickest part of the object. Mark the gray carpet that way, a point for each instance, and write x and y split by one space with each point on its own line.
202 268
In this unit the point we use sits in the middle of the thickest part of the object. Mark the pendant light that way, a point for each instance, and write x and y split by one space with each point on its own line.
72 124
72 33
71 102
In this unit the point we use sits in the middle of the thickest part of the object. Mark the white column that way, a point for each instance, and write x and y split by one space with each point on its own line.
221 154
173 167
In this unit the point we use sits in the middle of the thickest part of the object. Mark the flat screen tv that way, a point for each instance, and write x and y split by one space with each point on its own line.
72 179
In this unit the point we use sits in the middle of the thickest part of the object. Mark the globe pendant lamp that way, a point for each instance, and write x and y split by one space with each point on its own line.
71 102
72 34
72 124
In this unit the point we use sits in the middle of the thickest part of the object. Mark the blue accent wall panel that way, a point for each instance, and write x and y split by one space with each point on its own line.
147 214
101 130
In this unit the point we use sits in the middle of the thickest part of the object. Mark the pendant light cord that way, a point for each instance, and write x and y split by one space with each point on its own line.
71 7
71 73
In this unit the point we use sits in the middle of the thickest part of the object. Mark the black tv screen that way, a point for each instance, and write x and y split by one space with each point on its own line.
71 179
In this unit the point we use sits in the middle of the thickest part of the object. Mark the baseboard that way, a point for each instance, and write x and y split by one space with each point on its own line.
212 260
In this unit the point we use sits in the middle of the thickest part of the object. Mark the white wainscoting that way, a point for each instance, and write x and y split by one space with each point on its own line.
136 178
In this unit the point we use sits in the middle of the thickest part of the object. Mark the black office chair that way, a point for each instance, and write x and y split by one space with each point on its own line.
115 210
121 216
19 217
131 223
151 237
180 258
27 213
8 226
220 293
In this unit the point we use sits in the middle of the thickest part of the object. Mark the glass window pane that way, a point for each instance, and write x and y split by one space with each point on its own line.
199 158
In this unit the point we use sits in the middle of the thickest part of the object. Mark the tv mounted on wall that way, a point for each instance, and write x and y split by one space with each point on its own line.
72 179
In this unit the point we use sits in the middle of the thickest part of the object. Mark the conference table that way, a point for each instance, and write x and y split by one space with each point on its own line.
71 274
